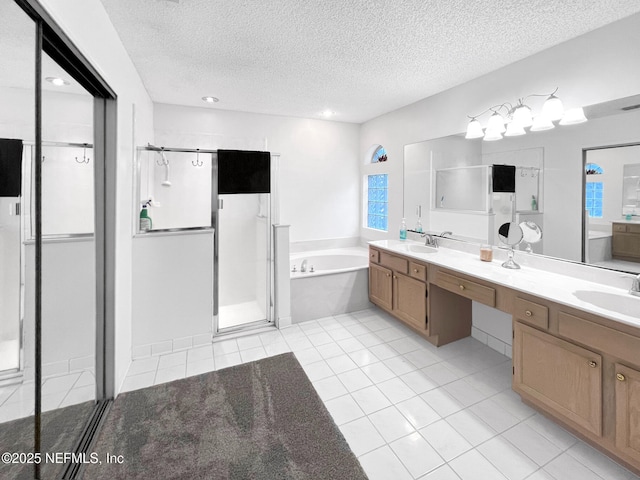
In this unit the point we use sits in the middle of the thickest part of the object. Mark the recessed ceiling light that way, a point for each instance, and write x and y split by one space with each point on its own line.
210 99
327 113
58 82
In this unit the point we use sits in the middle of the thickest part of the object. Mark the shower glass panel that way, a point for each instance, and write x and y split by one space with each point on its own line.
462 188
244 266
17 126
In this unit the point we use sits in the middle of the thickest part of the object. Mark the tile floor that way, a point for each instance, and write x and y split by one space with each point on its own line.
409 410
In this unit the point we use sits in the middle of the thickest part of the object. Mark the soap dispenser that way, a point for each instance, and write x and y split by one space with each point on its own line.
403 229
145 219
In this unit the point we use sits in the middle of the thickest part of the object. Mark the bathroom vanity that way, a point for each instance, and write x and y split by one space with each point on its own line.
626 241
576 344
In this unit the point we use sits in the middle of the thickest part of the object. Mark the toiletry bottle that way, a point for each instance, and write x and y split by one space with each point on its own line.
145 219
419 225
534 203
403 229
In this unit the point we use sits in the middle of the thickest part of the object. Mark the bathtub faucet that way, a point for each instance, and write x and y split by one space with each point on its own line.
303 265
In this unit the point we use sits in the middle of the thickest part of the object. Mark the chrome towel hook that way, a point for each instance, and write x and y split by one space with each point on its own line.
85 159
197 162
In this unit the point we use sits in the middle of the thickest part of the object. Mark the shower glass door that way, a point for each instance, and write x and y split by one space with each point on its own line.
244 268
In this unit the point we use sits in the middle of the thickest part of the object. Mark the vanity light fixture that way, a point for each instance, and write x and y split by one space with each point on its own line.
58 82
519 116
210 99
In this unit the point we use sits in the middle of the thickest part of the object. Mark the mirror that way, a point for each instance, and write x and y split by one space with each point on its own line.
531 233
550 163
510 234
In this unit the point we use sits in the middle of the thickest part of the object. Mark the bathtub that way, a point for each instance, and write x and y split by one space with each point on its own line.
338 284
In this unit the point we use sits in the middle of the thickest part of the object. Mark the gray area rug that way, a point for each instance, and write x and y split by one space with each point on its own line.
60 430
261 420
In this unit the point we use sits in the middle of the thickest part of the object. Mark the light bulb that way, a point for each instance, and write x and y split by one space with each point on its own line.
492 135
573 116
474 129
553 108
522 115
496 123
541 122
514 129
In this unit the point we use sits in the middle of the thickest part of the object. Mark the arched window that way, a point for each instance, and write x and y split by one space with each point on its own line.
380 155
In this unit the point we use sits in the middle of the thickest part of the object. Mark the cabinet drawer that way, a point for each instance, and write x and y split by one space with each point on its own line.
374 255
398 264
467 288
619 227
531 313
418 271
633 228
601 338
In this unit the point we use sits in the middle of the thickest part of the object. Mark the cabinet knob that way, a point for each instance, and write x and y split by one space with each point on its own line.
461 287
593 364
620 377
528 313
415 270
388 274
395 276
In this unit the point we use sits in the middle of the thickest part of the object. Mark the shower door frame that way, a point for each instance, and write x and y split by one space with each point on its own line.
215 204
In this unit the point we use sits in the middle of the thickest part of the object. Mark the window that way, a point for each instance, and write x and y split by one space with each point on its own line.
380 155
377 202
594 199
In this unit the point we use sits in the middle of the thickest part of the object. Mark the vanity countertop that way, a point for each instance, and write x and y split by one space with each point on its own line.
563 289
635 220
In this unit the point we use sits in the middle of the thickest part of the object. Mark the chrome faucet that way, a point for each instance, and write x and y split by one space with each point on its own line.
445 233
430 240
303 265
635 286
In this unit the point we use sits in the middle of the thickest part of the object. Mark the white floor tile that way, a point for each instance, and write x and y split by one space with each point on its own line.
441 473
344 409
198 367
403 345
382 464
320 338
511 462
276 348
136 382
79 395
418 412
416 454
474 430
370 339
340 333
378 372
200 353
350 345
363 357
341 363
165 375
330 387
551 431
532 444
361 436
248 342
383 351
391 423
310 355
396 390
540 475
300 343
227 360
59 384
225 347
371 399
330 350
495 416
318 370
357 329
354 380
253 354
565 467
418 381
441 402
391 333
445 440
473 466
596 461
464 392
511 402
143 365
399 365
172 359
421 358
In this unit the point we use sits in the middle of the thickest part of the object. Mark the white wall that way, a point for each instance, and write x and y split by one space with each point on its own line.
88 26
319 180
600 66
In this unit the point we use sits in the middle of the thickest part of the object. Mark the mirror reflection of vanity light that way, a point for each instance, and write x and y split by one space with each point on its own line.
531 233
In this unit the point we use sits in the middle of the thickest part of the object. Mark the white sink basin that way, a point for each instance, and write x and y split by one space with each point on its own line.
622 303
416 248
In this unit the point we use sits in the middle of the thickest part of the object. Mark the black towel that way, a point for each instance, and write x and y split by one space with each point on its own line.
242 171
504 178
10 167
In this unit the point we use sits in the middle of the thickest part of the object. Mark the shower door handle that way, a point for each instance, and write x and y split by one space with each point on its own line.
220 203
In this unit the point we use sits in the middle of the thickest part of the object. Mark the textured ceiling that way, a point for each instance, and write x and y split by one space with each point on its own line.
359 58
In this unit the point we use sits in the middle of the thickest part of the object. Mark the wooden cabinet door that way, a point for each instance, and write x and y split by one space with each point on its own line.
380 283
626 245
628 411
410 300
559 375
